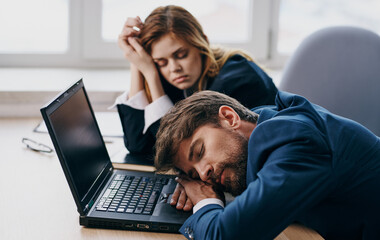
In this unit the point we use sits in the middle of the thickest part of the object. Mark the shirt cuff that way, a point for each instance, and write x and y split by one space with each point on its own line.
138 101
207 201
156 110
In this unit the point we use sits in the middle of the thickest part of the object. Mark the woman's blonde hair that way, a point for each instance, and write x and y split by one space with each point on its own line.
183 25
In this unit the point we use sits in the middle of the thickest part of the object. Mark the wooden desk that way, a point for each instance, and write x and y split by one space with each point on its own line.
36 202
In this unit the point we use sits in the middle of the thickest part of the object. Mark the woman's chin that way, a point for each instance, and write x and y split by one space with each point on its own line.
182 86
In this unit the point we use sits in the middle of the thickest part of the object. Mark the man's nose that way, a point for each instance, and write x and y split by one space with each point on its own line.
205 172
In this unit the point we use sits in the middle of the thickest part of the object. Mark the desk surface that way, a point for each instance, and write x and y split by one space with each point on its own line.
36 202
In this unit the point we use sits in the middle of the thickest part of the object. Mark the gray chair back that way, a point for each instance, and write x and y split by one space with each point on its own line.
339 69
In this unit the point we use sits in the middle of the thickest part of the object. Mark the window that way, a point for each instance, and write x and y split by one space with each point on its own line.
25 29
299 18
83 33
40 33
226 22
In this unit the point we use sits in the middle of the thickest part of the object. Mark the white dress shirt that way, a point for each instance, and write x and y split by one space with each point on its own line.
152 111
205 202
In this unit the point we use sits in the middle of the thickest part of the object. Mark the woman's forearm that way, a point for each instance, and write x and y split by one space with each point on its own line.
137 83
154 83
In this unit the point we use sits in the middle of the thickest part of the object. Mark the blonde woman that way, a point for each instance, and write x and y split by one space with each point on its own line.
170 59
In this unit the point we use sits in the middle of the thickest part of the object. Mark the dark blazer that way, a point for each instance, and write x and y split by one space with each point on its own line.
238 78
304 165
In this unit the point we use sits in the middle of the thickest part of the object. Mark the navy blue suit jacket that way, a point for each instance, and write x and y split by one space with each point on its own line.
304 165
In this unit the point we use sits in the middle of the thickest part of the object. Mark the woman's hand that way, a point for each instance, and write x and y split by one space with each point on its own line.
129 31
137 55
133 51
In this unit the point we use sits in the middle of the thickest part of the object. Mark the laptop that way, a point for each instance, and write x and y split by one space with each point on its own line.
105 197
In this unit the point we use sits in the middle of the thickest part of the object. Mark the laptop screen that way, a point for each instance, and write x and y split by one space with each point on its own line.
80 142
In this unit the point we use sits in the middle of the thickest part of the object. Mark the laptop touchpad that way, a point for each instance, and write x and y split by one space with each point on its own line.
167 210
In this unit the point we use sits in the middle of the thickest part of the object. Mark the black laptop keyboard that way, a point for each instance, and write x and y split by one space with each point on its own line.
129 194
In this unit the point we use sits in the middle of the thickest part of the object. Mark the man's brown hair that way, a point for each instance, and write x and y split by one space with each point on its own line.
186 116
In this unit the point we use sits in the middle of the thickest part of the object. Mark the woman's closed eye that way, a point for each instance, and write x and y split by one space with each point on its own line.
181 54
161 63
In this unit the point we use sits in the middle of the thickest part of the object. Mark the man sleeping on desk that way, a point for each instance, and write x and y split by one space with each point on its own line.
292 162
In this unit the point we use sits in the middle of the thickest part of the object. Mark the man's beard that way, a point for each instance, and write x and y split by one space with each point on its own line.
237 162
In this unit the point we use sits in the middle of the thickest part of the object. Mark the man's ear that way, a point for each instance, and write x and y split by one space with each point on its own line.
228 117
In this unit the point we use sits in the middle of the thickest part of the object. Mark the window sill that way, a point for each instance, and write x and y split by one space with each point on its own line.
23 91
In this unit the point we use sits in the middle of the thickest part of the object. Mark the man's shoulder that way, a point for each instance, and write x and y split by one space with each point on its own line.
283 124
291 108
276 128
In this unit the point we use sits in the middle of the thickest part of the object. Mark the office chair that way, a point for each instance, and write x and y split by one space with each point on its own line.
339 69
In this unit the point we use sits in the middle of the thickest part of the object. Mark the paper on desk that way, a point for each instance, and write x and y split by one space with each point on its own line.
109 124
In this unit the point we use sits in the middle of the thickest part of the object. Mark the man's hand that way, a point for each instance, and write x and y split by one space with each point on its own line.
180 199
197 190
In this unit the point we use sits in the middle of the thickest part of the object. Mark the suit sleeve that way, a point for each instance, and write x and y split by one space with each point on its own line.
132 121
294 173
140 123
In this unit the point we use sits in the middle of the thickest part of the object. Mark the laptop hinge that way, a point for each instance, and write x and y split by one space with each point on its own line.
89 205
92 200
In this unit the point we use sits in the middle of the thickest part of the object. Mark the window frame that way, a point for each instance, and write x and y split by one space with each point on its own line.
275 59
